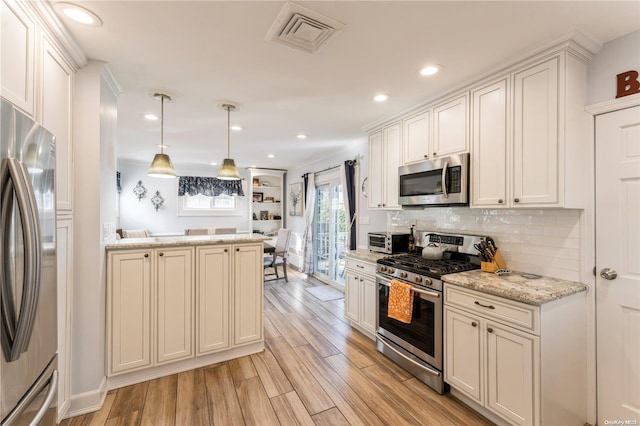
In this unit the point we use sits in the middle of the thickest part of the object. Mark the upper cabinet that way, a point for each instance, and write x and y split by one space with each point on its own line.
17 42
384 160
450 127
416 144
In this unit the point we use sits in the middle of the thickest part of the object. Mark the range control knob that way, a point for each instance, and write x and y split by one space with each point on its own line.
403 275
418 279
383 268
391 270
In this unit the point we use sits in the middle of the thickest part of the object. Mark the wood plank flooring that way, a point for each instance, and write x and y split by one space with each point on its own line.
315 370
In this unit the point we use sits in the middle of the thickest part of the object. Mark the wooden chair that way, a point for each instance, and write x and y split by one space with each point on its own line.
135 233
279 256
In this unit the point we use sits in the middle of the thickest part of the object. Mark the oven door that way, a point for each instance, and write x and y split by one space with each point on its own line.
422 337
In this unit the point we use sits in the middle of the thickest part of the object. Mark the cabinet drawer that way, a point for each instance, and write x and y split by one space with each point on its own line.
511 313
361 267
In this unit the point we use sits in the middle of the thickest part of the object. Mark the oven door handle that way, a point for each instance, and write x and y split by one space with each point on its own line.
417 364
428 293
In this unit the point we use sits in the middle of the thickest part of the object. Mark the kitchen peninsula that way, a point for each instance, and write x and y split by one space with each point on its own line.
177 303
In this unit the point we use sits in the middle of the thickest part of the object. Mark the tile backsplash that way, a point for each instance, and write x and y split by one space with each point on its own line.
545 242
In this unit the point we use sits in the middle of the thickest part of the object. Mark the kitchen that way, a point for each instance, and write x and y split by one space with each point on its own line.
552 242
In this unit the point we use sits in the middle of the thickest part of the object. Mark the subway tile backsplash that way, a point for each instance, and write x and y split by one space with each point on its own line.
545 242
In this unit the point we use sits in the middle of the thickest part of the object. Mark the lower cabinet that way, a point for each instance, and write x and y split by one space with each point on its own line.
525 364
360 295
170 304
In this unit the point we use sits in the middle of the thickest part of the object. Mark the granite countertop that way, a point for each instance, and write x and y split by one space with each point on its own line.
185 240
366 255
516 287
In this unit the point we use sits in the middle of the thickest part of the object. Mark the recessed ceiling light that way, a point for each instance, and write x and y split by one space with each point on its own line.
236 128
151 117
381 97
79 14
271 156
430 70
301 136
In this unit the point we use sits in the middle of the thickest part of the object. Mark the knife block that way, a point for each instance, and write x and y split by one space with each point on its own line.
497 262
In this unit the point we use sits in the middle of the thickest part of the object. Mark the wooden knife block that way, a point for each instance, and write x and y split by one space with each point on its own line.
497 262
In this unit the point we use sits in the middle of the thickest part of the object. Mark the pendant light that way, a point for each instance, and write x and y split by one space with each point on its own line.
228 170
161 166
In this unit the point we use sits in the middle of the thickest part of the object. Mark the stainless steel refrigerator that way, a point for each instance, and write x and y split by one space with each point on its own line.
28 332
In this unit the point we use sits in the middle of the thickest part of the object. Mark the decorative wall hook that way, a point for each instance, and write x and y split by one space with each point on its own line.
157 200
140 190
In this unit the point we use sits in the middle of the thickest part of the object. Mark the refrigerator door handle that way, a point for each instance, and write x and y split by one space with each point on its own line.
27 207
48 377
7 314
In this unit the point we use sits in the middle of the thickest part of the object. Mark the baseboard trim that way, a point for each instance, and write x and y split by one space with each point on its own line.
87 402
126 379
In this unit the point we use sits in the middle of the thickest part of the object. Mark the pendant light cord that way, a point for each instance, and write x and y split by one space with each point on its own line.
228 131
161 124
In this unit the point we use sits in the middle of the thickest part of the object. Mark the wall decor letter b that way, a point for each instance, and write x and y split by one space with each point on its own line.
628 84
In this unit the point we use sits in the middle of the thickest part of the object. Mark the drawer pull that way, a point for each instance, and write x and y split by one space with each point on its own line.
360 266
484 306
490 330
146 255
161 254
474 324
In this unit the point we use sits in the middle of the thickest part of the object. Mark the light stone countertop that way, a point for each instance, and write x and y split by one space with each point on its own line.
185 240
366 255
516 287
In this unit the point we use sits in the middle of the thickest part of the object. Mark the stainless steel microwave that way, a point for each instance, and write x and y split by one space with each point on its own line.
439 182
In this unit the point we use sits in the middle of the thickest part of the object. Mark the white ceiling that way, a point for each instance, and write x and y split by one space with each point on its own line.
206 52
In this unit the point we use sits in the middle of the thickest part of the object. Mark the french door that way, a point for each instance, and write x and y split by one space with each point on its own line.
330 232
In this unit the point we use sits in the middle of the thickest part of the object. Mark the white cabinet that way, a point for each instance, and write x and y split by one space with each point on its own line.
504 357
174 302
214 298
17 44
56 95
267 199
384 160
247 293
64 257
529 141
450 127
416 145
360 295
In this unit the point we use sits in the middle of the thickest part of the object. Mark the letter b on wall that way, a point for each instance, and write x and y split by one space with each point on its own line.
628 84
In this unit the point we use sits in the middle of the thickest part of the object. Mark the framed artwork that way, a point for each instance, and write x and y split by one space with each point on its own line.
264 215
269 200
256 181
257 197
296 197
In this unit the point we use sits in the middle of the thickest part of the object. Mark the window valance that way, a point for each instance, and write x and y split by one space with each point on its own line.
209 186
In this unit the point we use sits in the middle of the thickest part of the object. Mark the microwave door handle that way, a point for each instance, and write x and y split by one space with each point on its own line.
445 191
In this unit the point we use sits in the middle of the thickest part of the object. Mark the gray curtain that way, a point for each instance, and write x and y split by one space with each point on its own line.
209 186
309 213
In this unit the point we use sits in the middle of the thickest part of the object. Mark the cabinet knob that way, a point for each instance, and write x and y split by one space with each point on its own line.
384 205
237 249
500 201
474 324
490 330
517 200
146 255
226 250
161 254
379 205
434 154
426 156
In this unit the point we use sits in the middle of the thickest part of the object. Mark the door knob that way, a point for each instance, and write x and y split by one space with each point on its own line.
608 274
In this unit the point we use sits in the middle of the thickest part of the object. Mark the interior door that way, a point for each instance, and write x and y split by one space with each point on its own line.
618 265
330 232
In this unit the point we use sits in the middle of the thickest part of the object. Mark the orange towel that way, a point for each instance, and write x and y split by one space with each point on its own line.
400 301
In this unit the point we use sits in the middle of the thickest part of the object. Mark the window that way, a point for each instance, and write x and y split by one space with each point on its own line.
202 205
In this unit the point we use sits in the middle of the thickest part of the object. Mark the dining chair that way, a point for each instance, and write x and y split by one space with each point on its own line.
221 231
197 231
279 256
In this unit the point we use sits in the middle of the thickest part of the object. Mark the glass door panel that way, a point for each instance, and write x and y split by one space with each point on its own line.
330 233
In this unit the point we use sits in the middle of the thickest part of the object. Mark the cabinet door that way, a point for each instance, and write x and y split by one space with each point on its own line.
450 121
489 142
213 284
174 316
391 137
17 46
536 143
415 139
247 295
56 117
368 304
352 296
464 354
64 255
129 310
511 374
376 175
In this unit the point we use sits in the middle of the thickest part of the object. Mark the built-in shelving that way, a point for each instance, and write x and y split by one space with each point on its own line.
266 183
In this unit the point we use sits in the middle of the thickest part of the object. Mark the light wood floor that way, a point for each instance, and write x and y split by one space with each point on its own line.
315 370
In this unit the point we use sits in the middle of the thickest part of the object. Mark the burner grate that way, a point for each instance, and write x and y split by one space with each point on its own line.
419 265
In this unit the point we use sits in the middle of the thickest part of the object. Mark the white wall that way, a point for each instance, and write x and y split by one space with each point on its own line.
617 56
94 128
136 214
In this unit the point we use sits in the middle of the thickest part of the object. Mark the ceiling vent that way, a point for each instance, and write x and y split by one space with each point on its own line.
302 29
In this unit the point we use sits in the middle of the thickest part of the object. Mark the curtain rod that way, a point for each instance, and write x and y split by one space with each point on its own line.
352 163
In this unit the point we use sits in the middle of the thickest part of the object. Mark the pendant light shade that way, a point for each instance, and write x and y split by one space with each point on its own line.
228 169
161 166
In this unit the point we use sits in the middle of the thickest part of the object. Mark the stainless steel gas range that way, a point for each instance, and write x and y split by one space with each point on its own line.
417 346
